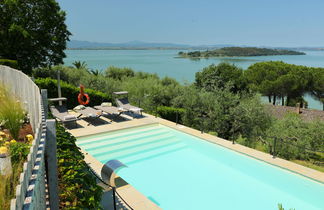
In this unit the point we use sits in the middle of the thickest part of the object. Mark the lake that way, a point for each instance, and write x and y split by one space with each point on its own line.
164 63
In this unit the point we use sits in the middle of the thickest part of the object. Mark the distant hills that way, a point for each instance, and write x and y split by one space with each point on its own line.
75 44
131 44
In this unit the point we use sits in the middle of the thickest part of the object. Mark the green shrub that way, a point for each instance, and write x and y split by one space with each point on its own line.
10 63
11 112
294 135
77 186
71 92
170 113
18 152
118 73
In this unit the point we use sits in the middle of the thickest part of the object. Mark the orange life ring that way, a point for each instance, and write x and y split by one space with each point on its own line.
80 99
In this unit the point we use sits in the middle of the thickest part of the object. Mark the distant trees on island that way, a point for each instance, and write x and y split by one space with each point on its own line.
238 51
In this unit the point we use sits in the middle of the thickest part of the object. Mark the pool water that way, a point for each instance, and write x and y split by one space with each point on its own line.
178 171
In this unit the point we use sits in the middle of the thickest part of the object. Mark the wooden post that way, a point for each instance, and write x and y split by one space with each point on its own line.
45 102
51 164
59 86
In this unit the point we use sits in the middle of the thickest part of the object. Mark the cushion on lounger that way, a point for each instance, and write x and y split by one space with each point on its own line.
80 107
135 109
69 117
106 104
92 115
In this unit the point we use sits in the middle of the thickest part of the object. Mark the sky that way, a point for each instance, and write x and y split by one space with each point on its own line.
276 23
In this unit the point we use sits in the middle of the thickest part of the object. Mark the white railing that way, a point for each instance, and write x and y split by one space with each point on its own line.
30 193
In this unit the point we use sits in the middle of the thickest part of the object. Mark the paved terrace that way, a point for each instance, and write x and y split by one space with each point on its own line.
139 201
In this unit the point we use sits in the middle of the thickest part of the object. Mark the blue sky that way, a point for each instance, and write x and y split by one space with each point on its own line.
276 23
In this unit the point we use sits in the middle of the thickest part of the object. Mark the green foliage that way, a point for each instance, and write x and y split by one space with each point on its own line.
223 112
249 120
32 32
8 184
238 51
294 136
119 73
220 76
317 85
279 80
79 64
145 89
18 152
170 113
71 92
11 112
10 63
77 186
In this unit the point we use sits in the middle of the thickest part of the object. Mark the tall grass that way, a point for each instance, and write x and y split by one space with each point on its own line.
11 112
11 118
8 185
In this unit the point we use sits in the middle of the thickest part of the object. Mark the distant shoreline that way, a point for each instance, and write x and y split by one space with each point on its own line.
172 48
135 48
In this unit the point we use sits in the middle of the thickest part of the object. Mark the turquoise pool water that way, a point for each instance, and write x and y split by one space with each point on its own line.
178 171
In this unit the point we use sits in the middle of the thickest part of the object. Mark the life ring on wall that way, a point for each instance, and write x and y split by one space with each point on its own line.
82 95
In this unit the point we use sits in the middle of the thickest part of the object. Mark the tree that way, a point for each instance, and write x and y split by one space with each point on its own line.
279 80
219 76
317 87
118 73
79 64
33 33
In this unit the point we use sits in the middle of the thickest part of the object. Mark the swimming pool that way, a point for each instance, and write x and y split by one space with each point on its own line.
178 171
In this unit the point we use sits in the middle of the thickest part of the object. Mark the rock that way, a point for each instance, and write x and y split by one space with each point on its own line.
5 165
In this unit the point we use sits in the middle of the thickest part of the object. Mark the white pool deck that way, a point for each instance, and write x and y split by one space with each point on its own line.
137 200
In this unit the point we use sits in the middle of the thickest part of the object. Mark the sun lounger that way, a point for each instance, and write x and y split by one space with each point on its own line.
61 113
124 103
88 112
110 110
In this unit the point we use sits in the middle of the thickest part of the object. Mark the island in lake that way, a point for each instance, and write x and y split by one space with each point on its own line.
238 51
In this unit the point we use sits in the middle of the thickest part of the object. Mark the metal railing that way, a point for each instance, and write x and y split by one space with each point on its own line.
273 147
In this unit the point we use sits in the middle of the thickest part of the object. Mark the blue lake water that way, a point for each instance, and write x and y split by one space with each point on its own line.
164 63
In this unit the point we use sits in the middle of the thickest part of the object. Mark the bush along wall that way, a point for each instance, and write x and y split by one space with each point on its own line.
77 186
71 92
170 113
8 62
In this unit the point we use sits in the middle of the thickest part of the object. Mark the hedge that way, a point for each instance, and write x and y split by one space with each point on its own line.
170 113
78 188
10 63
71 92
